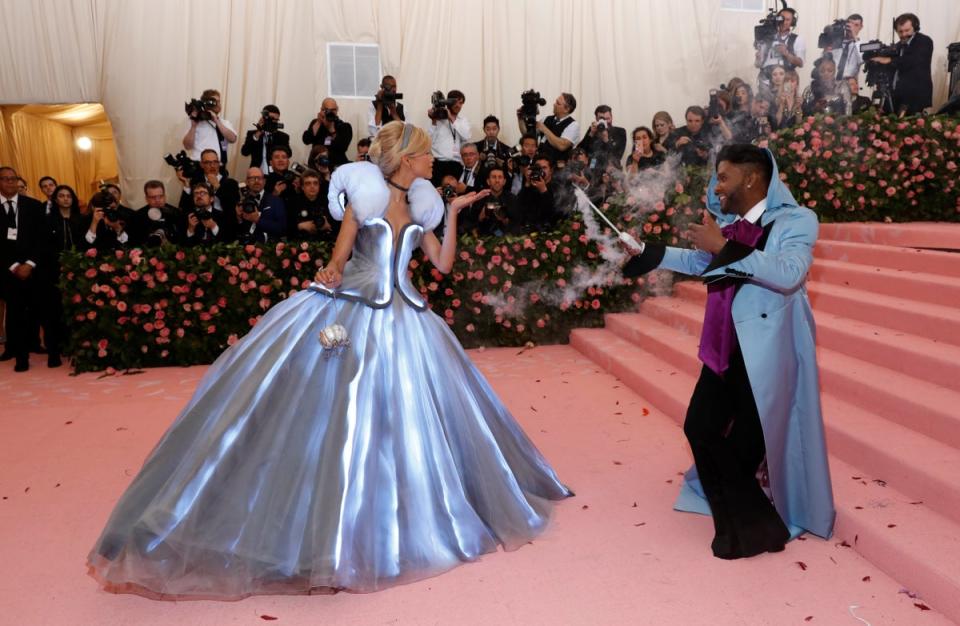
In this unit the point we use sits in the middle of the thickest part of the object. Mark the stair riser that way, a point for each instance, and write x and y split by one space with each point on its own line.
906 475
672 403
915 235
944 263
904 320
888 283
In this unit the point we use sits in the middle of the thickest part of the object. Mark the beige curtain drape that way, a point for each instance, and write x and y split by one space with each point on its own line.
143 58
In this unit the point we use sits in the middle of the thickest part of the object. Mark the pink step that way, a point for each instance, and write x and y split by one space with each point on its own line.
908 541
909 259
670 389
934 321
918 286
937 235
921 357
912 402
901 535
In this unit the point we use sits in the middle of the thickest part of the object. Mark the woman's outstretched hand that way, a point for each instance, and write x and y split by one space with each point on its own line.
466 200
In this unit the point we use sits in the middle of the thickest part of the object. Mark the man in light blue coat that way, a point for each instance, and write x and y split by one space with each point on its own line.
754 419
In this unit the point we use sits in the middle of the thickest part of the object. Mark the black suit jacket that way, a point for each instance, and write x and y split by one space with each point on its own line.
914 89
611 152
229 195
32 242
338 145
253 147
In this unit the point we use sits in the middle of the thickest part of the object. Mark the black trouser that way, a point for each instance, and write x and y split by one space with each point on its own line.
29 301
726 437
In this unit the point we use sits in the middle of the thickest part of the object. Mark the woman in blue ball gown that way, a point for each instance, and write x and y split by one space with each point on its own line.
299 469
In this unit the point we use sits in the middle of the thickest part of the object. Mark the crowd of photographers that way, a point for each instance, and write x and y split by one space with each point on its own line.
531 185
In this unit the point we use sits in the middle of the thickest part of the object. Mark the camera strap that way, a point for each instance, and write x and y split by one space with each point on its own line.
221 143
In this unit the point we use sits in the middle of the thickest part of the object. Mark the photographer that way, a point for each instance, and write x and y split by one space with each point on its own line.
471 178
558 132
912 82
784 48
492 150
266 134
201 228
692 141
225 194
491 216
106 230
205 129
449 131
330 131
826 94
604 142
363 147
536 206
308 212
319 161
385 107
848 57
260 216
281 181
158 221
519 163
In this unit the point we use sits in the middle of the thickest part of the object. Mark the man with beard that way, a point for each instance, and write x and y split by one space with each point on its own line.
755 410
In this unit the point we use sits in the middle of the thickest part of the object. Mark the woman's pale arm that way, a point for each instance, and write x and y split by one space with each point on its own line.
331 275
442 255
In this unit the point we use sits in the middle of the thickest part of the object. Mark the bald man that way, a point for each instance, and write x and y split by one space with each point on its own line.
330 131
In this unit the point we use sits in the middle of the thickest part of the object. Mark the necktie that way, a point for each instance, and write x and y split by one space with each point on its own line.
719 334
11 214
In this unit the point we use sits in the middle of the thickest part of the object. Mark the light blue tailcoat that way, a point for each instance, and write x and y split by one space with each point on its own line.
776 332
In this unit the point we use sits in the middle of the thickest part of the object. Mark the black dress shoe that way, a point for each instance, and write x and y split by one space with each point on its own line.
38 349
54 360
6 356
23 364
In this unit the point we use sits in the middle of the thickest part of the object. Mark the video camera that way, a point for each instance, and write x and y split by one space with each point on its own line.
767 29
199 108
440 105
531 101
878 75
388 98
834 35
189 167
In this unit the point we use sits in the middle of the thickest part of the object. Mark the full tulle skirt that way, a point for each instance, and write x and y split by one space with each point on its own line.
292 471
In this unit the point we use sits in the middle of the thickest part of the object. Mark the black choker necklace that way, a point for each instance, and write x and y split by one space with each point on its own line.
396 186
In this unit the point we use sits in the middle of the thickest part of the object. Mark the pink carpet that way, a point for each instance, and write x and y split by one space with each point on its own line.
615 554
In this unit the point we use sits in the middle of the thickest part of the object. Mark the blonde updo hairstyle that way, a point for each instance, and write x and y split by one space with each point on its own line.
386 150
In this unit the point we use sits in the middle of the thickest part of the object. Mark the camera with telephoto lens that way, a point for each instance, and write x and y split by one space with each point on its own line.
537 172
199 108
439 106
187 166
111 213
331 116
530 103
766 31
491 160
269 125
834 35
203 214
388 97
448 192
249 202
494 207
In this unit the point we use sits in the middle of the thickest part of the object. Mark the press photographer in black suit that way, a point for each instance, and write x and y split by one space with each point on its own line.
604 142
224 200
308 216
330 131
913 81
266 134
27 271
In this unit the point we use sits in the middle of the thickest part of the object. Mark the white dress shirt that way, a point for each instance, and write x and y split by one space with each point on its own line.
205 137
448 137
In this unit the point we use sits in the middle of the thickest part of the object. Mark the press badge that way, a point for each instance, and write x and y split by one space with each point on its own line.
11 234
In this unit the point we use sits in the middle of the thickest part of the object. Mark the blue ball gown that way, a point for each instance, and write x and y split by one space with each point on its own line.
292 471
